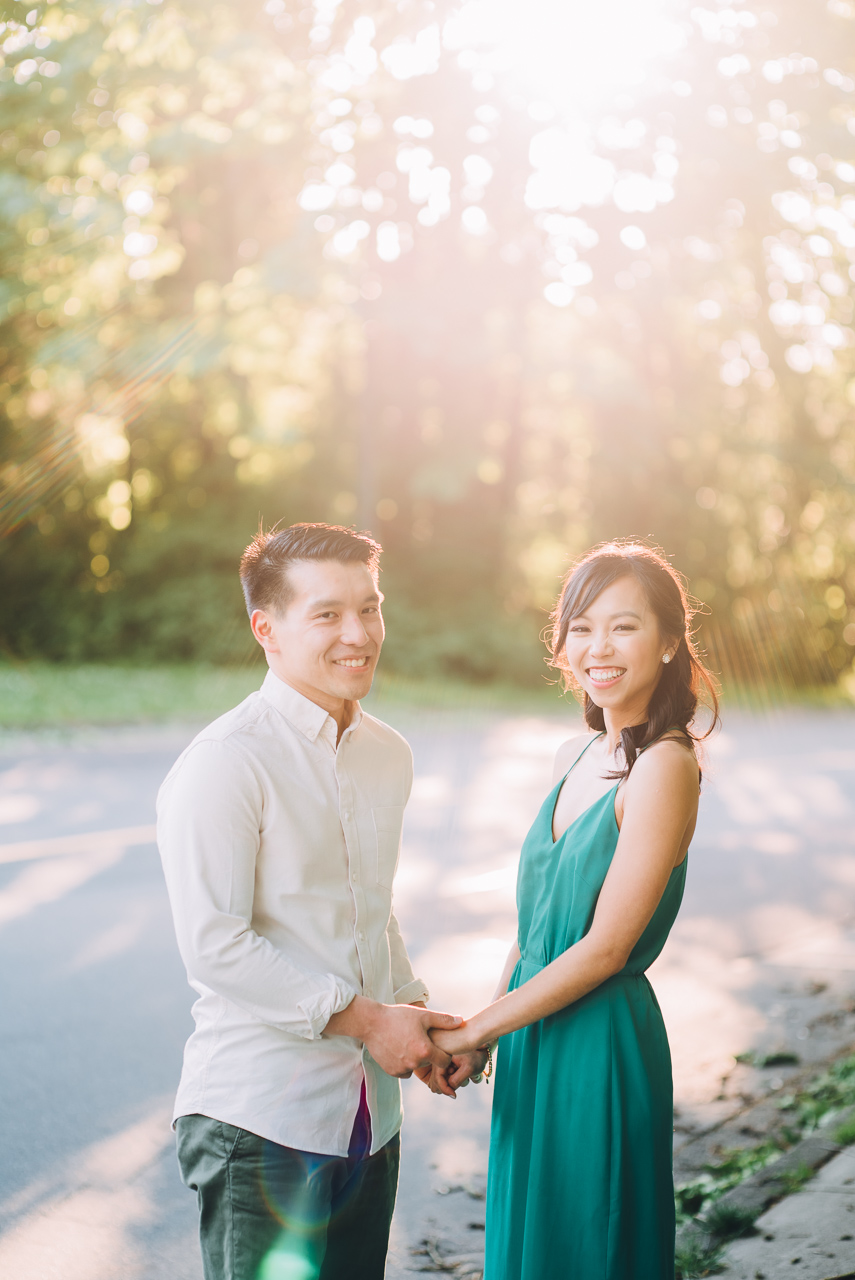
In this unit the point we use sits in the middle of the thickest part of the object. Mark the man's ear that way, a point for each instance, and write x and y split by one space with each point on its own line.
262 629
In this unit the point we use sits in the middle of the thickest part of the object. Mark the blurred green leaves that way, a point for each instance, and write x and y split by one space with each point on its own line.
335 262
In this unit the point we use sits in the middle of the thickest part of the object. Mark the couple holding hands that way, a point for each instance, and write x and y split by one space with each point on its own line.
279 829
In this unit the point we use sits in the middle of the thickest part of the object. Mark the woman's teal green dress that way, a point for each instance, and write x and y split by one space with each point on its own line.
580 1183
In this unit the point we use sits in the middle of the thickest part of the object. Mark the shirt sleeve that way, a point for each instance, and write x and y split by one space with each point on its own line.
209 819
407 987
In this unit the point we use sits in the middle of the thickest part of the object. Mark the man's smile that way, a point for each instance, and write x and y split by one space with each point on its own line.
354 663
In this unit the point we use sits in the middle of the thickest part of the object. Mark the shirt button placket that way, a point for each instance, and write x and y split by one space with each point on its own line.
346 817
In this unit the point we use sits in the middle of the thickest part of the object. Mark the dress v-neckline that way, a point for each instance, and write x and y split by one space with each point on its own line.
592 805
581 815
585 811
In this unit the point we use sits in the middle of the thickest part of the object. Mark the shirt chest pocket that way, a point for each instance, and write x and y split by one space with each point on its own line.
388 821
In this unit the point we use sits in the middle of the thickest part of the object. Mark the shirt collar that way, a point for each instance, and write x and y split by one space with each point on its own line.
301 712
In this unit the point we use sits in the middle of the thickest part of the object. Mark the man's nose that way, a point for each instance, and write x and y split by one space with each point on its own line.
353 630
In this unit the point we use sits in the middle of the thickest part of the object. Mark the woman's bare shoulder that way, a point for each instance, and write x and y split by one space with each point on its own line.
570 751
671 759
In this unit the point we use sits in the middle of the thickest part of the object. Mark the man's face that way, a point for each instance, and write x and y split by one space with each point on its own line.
327 641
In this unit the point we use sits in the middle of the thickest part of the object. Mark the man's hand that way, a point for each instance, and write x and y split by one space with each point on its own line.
396 1035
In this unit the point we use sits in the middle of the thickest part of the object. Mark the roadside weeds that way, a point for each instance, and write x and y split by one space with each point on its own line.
724 1203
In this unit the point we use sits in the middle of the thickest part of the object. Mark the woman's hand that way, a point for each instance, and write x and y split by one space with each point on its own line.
435 1079
464 1066
455 1076
457 1041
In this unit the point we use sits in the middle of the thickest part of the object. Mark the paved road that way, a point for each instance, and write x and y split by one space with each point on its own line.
95 1008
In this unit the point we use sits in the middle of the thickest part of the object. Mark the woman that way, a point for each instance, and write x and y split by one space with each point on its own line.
580 1179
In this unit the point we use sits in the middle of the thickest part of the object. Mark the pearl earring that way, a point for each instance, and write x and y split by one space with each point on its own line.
666 657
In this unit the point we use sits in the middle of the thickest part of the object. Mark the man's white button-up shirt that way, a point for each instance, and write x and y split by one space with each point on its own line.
279 851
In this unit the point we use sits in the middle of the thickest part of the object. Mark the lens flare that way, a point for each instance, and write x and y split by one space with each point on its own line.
137 382
283 1262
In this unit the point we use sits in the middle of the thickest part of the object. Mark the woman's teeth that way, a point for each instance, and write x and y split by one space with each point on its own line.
605 674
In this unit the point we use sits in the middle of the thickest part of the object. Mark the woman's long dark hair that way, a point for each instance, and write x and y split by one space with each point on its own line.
676 697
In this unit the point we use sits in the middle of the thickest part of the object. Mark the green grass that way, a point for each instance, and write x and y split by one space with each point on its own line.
831 1091
815 1105
766 697
728 1221
37 695
392 690
736 1164
794 1179
693 1259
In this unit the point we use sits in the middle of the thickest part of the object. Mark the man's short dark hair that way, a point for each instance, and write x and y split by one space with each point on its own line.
263 565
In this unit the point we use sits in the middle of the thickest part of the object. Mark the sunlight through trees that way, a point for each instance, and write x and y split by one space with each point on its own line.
495 281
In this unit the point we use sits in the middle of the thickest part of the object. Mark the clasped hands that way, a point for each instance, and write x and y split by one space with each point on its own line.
408 1039
463 1062
450 1060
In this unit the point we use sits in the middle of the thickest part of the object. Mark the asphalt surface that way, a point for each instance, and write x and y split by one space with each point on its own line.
94 1004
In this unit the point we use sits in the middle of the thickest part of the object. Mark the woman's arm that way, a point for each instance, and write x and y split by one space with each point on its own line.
510 965
472 1063
660 804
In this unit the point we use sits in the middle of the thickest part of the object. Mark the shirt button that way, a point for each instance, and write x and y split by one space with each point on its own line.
361 936
346 815
355 877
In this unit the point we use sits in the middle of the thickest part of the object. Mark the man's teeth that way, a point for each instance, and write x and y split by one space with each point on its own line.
604 675
351 662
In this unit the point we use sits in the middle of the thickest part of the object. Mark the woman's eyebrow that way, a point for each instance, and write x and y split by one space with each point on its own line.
622 613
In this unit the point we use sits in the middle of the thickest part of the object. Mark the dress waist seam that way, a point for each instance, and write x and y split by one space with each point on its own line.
537 965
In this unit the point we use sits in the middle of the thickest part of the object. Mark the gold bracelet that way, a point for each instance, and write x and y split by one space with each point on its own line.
488 1070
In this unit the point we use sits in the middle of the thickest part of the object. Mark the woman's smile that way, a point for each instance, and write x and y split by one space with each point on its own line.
604 676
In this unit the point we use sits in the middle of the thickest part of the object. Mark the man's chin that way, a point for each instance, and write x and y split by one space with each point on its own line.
355 686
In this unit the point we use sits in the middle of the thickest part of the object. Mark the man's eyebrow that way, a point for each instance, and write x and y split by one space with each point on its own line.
374 598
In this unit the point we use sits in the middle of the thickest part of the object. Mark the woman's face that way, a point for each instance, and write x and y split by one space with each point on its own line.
614 650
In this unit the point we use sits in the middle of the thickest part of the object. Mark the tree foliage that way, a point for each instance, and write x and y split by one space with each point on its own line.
347 263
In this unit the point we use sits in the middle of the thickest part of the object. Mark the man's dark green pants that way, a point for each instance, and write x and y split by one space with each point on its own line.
269 1212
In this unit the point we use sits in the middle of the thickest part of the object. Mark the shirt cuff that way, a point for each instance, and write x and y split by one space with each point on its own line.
415 990
317 1010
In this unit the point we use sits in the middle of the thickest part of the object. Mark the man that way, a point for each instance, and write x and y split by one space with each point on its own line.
279 828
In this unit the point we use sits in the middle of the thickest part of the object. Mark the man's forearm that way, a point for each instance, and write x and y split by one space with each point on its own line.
396 1035
358 1020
